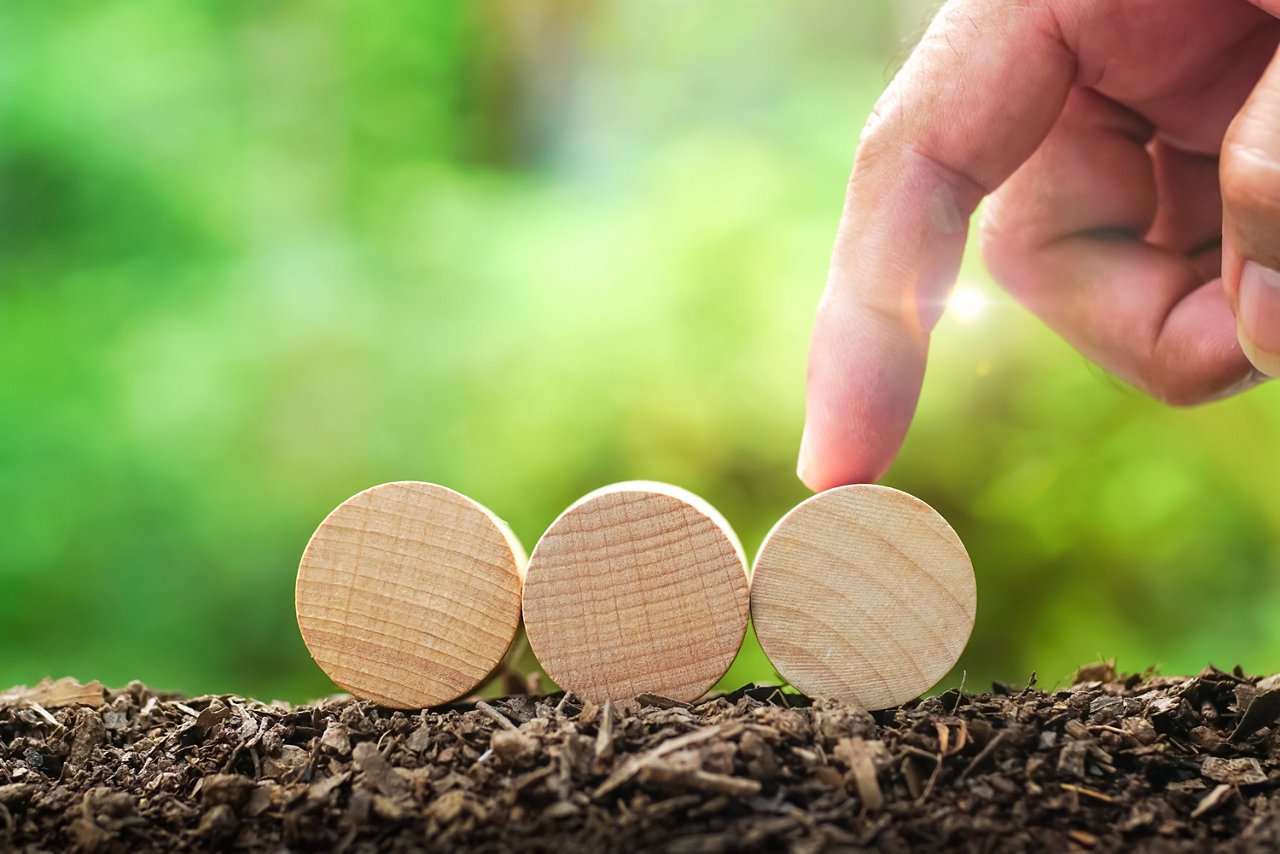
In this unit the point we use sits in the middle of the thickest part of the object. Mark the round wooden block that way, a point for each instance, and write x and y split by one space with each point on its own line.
863 593
637 588
409 594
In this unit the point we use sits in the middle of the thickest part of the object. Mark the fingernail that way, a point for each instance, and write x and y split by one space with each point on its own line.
804 463
1258 317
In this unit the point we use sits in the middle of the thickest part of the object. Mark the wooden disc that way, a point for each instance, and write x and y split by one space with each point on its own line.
863 593
637 588
409 594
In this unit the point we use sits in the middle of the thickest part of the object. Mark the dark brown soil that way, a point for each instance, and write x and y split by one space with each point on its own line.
1156 764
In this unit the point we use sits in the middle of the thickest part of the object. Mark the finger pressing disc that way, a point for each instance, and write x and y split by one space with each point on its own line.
863 593
637 588
409 594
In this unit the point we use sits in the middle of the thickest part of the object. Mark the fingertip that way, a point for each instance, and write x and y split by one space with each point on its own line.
864 383
826 464
805 469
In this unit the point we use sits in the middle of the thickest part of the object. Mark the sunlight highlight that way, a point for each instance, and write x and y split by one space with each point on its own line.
967 304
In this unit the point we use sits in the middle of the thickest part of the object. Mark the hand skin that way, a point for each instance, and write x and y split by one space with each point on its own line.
1131 152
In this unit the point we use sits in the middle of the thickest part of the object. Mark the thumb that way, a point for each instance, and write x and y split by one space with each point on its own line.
1250 178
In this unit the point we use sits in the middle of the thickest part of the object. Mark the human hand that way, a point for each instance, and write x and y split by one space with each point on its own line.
1135 146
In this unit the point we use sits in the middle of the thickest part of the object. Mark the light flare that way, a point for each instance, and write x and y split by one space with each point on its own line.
967 304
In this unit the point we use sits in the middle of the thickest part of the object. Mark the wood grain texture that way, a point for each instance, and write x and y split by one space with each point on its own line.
863 593
638 587
409 594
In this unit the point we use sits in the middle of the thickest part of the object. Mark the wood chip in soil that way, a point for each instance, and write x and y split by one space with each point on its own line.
1111 763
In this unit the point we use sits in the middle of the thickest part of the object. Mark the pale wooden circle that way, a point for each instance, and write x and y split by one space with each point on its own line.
409 594
637 588
863 593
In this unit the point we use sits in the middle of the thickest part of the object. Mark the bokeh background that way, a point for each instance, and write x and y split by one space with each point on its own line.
256 257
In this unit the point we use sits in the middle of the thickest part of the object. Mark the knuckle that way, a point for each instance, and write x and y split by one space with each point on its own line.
874 145
883 136
888 104
1250 180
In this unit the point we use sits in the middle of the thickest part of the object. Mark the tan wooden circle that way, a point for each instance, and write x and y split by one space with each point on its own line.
637 588
863 593
409 594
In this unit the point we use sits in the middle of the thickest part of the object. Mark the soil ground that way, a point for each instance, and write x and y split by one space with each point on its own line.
1111 763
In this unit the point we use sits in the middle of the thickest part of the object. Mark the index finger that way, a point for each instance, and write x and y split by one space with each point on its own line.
976 98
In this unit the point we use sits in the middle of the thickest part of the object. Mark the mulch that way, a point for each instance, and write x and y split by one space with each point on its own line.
1141 762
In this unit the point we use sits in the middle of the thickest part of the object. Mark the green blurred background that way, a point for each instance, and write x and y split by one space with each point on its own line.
255 257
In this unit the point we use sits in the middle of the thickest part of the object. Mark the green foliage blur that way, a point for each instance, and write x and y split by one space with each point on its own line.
255 257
